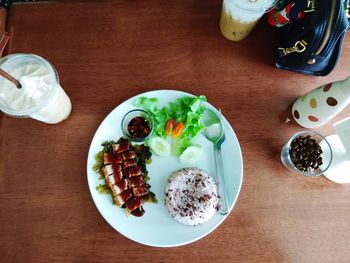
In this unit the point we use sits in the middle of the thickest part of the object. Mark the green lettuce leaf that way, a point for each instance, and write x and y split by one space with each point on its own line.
186 109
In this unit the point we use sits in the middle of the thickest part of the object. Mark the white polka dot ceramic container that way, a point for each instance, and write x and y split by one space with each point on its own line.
322 104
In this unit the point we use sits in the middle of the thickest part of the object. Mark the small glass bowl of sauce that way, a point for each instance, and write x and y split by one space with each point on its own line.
137 125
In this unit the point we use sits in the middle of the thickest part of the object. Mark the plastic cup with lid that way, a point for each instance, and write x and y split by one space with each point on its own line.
239 17
41 96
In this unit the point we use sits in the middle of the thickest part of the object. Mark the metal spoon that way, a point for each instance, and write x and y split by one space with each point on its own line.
214 132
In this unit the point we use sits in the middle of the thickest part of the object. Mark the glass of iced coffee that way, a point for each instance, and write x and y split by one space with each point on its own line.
41 97
238 17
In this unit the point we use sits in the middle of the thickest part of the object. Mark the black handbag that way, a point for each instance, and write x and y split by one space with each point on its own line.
312 45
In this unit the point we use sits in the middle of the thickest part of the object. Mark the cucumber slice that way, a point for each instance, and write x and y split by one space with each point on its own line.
191 155
159 146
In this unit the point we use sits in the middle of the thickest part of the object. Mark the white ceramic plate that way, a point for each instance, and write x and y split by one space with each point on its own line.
157 228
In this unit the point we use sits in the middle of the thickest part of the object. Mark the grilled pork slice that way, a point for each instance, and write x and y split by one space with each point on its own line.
121 147
107 158
118 175
135 171
140 190
114 177
110 180
116 167
129 155
123 197
134 203
119 187
130 163
118 159
136 181
107 170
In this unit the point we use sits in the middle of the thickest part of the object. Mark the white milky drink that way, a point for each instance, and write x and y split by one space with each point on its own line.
238 17
41 96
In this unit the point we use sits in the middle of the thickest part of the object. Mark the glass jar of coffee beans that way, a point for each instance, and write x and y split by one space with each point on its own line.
305 153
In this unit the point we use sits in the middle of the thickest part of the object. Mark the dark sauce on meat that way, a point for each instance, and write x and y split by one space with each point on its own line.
138 212
139 128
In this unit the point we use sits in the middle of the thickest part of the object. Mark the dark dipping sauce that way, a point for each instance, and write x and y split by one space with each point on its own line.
139 128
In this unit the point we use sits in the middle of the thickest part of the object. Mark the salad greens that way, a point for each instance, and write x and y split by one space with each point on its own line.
186 110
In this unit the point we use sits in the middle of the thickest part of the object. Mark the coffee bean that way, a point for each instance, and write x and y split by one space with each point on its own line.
311 142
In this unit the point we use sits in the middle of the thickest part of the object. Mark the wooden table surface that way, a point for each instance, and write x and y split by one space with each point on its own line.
106 52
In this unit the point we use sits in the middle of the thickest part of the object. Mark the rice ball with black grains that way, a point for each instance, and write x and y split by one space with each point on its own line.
191 196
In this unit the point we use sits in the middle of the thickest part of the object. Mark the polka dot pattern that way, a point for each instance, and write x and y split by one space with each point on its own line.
327 87
332 101
312 118
296 114
313 103
320 105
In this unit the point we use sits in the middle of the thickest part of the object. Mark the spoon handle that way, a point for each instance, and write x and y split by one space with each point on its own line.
223 209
